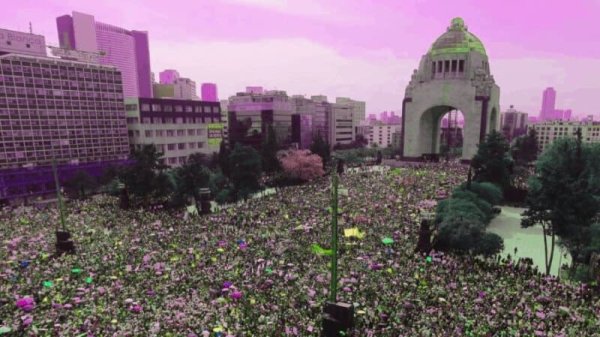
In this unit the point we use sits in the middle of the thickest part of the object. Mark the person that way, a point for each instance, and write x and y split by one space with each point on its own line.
340 166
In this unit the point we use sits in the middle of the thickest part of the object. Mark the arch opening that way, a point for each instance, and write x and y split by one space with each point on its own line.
441 130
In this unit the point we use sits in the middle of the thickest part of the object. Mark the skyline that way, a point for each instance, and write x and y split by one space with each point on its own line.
365 52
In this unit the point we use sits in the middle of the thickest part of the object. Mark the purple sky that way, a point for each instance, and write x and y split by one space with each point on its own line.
361 49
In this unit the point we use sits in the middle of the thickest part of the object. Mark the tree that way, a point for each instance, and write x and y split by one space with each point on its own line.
321 148
224 159
563 197
80 183
190 178
360 141
145 178
525 150
246 169
239 130
269 147
302 164
492 162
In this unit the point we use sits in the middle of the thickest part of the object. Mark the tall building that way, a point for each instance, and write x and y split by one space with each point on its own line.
548 104
178 128
513 123
173 86
547 132
358 108
209 92
55 109
341 125
250 113
127 50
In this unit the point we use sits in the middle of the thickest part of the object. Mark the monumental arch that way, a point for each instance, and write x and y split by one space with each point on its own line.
453 75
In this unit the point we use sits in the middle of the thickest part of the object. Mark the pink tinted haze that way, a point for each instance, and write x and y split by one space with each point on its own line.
354 48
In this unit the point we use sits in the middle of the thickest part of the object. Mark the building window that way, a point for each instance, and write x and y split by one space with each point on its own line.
171 147
447 66
170 133
181 146
192 145
453 66
179 120
148 133
189 108
167 108
182 160
439 70
180 133
200 144
145 107
215 109
206 109
191 132
131 107
178 108
173 160
156 107
146 120
159 133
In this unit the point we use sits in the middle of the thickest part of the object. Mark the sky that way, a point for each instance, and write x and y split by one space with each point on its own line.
363 49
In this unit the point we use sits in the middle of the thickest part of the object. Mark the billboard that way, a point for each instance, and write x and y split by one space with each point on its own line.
215 133
22 43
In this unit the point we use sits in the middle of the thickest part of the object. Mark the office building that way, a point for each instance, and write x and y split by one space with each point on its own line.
173 86
178 128
341 124
54 109
127 50
382 134
209 92
548 104
547 132
358 109
513 123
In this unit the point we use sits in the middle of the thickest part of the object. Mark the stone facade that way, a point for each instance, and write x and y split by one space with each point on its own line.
454 74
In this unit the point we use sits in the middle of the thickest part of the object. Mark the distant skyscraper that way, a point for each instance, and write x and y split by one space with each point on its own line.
548 104
209 92
127 50
168 76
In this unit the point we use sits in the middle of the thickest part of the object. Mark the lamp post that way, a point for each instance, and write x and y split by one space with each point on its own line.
338 318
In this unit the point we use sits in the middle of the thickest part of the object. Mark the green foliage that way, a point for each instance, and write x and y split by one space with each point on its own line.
492 162
145 179
319 146
270 163
190 178
525 149
223 159
486 191
81 183
246 170
489 244
460 208
484 206
564 195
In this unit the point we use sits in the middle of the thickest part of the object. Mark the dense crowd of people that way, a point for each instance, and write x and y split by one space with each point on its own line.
248 270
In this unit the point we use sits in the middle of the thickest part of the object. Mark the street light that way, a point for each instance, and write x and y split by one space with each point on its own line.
64 244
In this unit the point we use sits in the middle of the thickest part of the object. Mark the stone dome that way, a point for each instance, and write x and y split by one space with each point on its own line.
456 40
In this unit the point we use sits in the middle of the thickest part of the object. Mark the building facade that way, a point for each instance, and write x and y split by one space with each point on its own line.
341 124
382 134
548 104
174 86
513 123
57 110
128 50
22 43
547 132
358 109
178 128
209 92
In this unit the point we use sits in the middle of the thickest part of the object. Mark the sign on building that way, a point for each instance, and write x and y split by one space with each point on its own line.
215 134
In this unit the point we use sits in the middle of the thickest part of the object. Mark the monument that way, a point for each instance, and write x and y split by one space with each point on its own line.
453 75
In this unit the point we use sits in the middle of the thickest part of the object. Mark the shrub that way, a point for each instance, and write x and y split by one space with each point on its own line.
466 209
487 191
458 234
483 205
489 244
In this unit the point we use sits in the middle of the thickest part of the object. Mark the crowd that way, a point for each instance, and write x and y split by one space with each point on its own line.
249 270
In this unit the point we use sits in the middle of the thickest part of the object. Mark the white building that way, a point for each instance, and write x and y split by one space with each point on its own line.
549 131
358 109
382 134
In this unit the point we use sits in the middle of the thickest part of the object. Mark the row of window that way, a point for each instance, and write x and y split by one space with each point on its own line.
53 71
173 133
167 120
173 108
447 66
20 81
